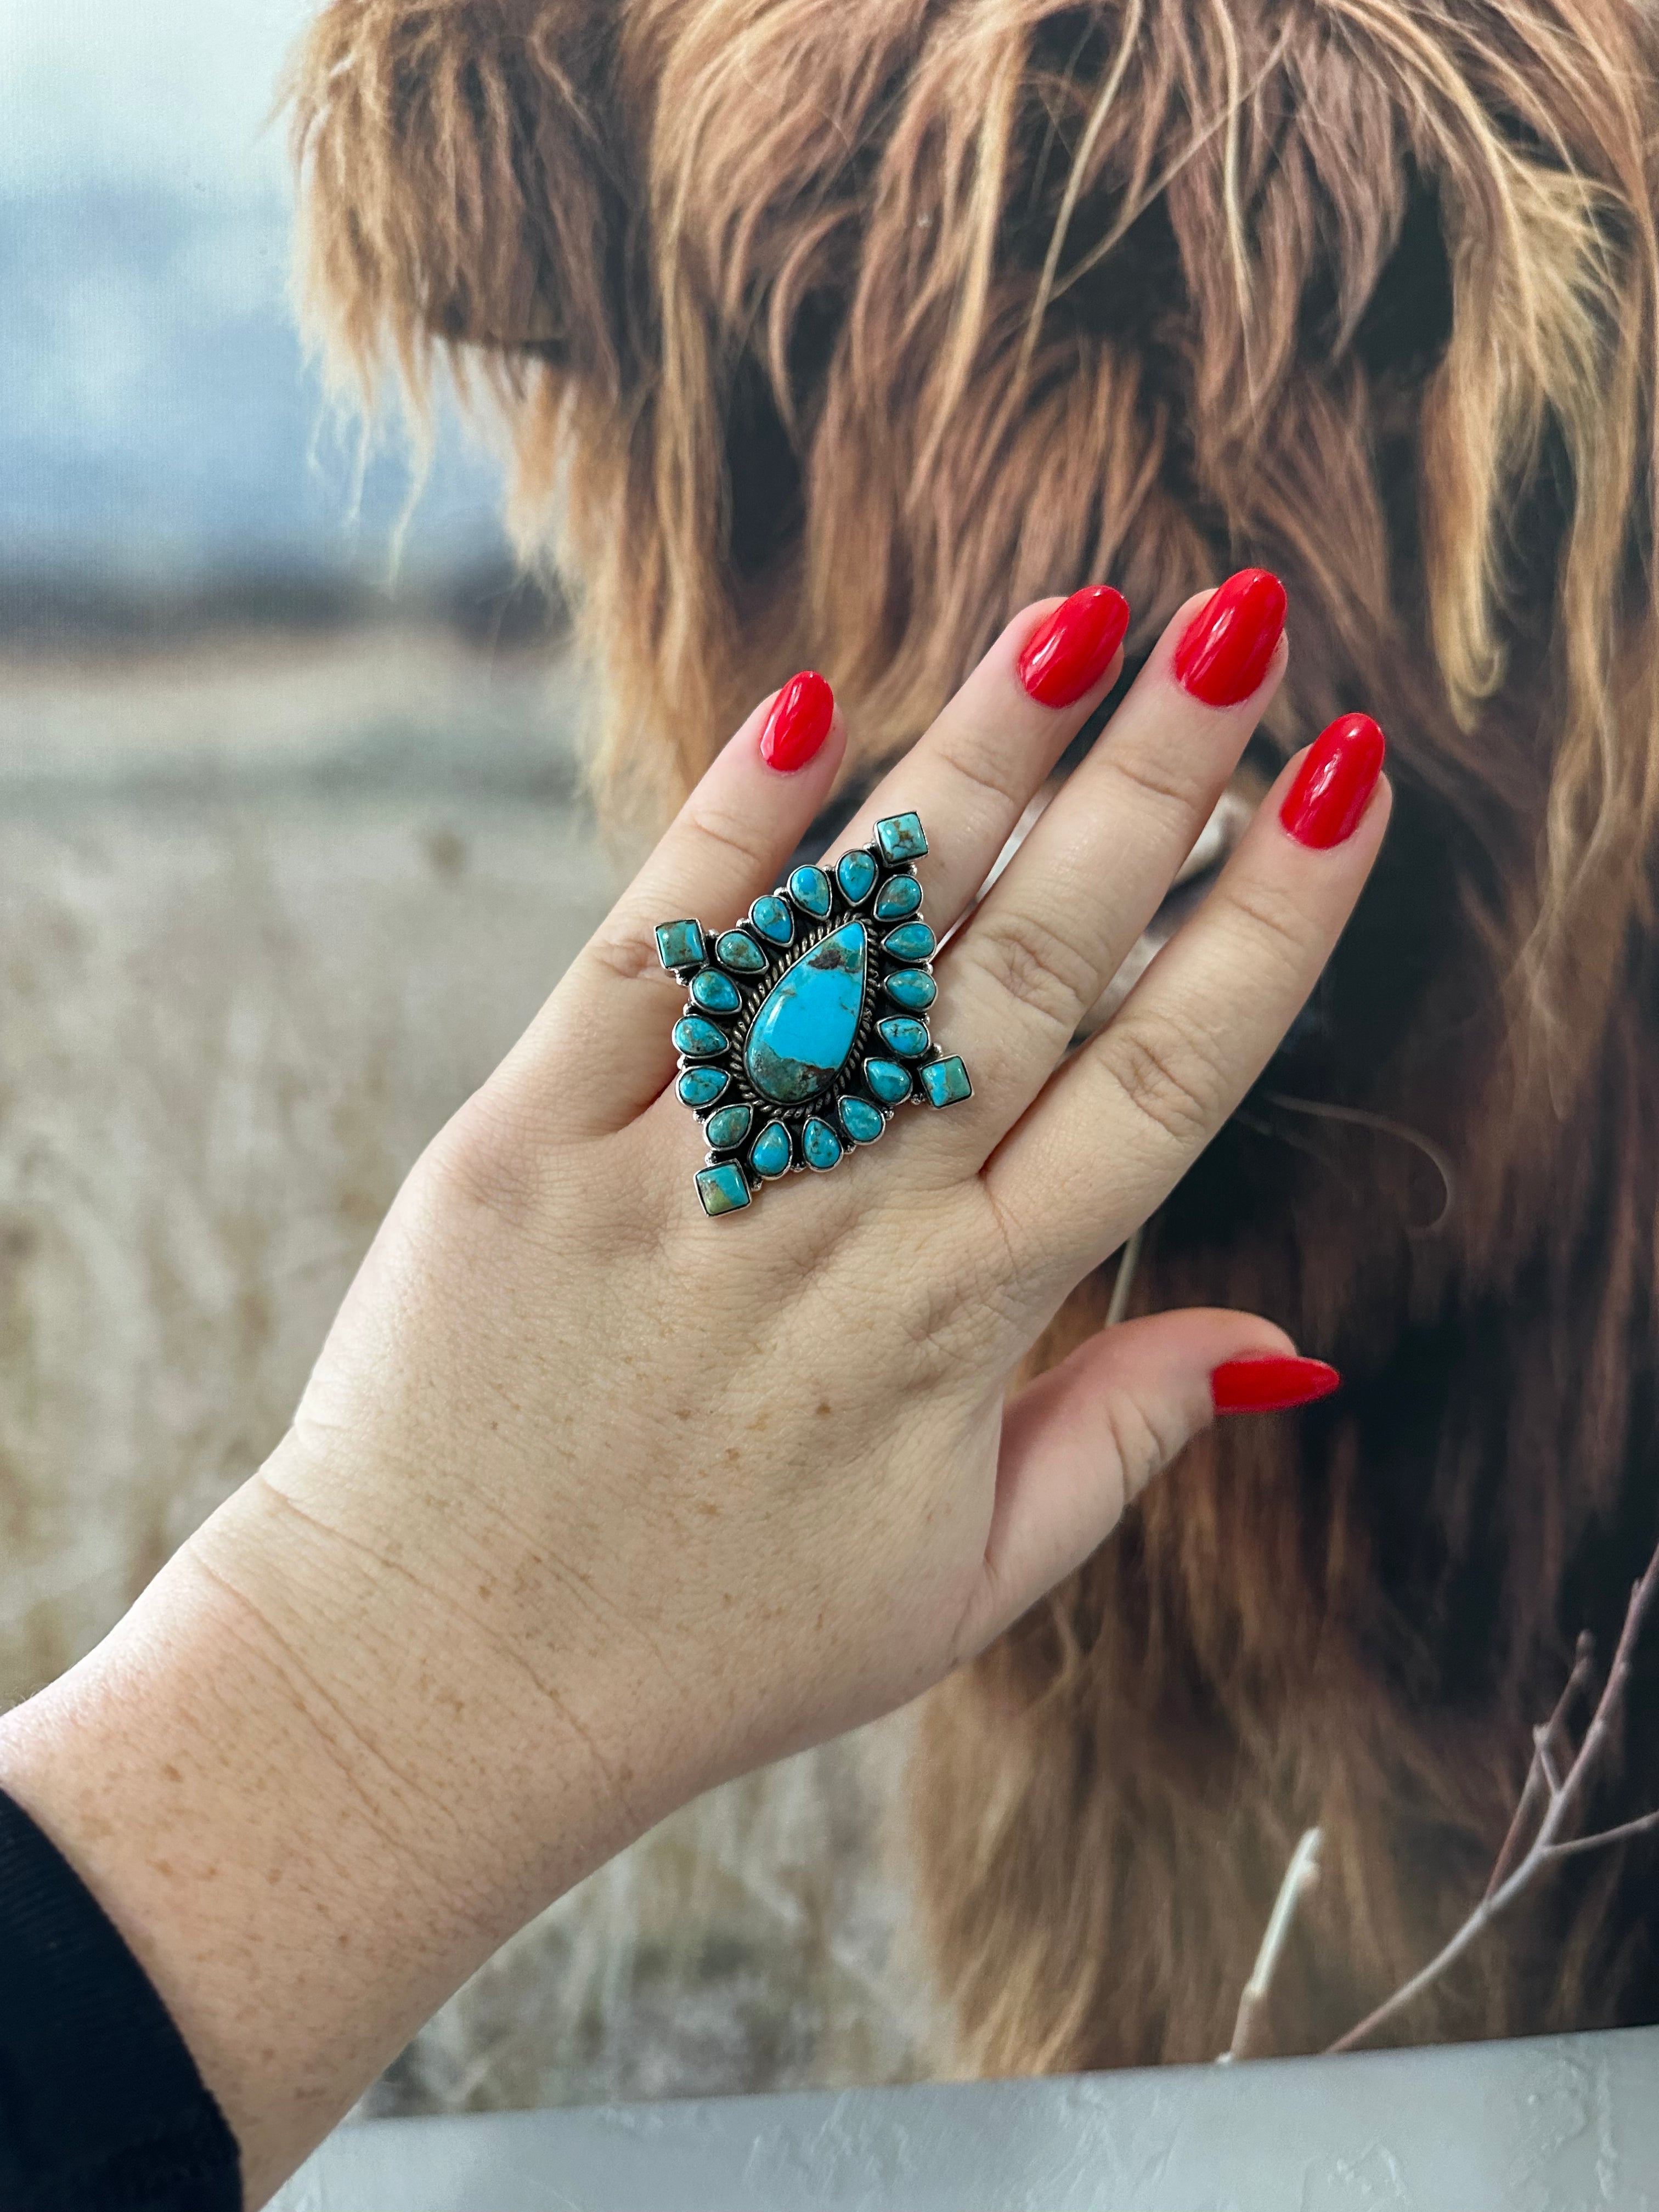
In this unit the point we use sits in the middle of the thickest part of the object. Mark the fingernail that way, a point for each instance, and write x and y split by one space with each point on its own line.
1224 650
798 722
1068 654
1270 1383
1334 783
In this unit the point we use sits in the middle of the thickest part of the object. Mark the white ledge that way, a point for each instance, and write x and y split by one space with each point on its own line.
1546 2125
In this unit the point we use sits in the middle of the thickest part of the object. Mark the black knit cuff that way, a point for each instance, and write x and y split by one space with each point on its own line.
101 2108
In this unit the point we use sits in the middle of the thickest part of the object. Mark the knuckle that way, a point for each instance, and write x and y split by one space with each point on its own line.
1141 1445
1273 918
1156 777
986 773
734 835
624 950
1035 966
1165 1075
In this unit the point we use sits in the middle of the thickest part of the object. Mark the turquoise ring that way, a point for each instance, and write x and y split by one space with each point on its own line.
805 1024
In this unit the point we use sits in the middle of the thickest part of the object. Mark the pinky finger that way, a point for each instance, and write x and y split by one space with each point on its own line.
1082 1442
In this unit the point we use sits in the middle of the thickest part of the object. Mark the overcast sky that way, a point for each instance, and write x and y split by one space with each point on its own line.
172 92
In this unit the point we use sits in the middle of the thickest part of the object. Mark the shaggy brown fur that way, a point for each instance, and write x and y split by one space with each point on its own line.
831 332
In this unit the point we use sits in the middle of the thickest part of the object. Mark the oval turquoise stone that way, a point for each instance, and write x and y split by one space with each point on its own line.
770 1156
915 941
773 919
729 1127
740 953
898 896
888 1081
913 989
909 1039
696 1038
715 993
861 1120
701 1086
807 1021
820 1146
810 889
856 874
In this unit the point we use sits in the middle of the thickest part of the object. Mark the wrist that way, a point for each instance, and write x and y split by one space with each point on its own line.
313 1799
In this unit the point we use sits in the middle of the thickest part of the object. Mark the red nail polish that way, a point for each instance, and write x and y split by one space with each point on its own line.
1270 1384
1334 783
798 722
1224 650
1068 654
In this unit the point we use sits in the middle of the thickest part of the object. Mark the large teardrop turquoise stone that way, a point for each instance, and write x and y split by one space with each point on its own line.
808 1020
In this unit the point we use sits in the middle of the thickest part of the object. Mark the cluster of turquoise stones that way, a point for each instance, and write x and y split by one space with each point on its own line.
807 1026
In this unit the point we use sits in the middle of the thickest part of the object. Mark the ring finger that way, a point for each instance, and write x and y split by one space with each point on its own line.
1063 916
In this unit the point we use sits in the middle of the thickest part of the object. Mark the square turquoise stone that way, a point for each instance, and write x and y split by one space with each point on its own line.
901 838
679 944
723 1188
944 1082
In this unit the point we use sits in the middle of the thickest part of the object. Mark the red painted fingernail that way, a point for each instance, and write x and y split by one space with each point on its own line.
1270 1384
798 722
1334 783
1068 654
1224 650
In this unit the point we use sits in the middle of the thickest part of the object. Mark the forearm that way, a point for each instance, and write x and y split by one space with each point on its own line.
313 1797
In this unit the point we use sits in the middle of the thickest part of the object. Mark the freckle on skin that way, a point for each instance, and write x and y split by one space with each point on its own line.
824 1407
682 1413
163 1867
730 1454
172 1771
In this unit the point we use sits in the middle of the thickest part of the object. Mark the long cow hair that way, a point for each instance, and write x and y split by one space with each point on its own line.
829 332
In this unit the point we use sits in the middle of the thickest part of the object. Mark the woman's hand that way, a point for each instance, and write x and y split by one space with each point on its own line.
592 1500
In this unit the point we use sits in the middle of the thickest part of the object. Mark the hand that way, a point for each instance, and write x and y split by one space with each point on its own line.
592 1500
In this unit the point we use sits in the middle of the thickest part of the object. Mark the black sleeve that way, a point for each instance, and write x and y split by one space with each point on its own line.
101 2108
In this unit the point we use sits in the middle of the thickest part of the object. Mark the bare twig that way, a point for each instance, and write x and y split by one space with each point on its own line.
1517 1868
1504 1864
1301 1875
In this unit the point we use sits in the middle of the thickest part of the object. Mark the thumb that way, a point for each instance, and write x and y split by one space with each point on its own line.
1084 1440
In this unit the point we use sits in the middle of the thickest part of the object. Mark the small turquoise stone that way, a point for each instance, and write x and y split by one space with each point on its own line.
820 1146
715 993
770 1156
909 1039
740 953
679 944
913 989
901 839
856 874
807 1021
862 1121
944 1082
723 1189
701 1086
773 919
810 889
915 941
697 1038
898 896
729 1127
887 1080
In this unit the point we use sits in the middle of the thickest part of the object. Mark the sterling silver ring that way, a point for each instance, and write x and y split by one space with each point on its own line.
805 1024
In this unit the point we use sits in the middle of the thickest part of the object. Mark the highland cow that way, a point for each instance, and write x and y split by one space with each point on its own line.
830 332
